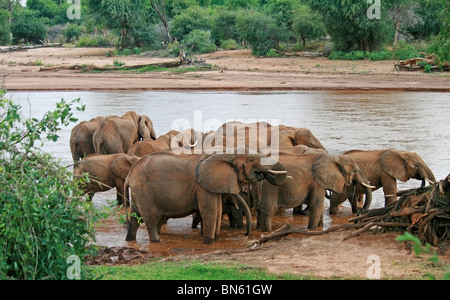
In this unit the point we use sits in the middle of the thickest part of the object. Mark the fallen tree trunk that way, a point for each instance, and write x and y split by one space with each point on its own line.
23 48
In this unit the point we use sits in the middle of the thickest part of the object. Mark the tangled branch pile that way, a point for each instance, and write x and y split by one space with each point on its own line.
424 211
416 64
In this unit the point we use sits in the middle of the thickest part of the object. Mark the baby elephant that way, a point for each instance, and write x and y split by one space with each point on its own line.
104 172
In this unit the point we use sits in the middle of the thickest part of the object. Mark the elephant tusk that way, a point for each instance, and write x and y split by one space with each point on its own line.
429 181
276 172
368 185
192 146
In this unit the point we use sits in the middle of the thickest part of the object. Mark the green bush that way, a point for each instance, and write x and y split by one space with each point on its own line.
94 40
229 45
260 30
199 41
404 51
45 225
360 55
73 31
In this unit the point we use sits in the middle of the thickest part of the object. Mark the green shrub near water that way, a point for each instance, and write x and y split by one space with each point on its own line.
45 224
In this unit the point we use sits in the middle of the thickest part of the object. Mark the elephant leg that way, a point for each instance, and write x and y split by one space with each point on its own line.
210 206
316 204
390 189
196 219
161 222
119 191
133 225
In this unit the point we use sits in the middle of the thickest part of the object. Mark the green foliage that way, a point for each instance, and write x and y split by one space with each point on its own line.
349 26
96 40
229 44
360 55
28 26
5 29
199 41
188 20
404 51
419 249
73 31
260 30
224 27
307 25
43 218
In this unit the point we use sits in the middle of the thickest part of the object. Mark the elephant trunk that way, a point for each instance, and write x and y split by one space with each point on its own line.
248 214
276 175
368 193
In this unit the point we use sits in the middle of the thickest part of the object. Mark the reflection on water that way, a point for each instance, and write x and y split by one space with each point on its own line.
342 121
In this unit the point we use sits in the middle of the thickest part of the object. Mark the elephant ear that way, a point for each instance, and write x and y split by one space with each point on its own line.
393 163
327 172
218 175
122 165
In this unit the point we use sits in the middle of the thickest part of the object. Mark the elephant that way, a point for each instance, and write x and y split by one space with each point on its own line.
105 172
293 136
81 138
383 168
260 135
116 134
175 140
165 185
309 176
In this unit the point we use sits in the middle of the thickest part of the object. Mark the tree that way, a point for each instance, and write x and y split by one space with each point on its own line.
28 26
349 25
5 29
120 15
403 12
260 30
307 24
192 18
160 7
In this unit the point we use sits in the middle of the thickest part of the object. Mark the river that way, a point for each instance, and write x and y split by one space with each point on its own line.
342 121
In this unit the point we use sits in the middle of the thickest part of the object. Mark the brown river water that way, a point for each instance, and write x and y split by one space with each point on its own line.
418 122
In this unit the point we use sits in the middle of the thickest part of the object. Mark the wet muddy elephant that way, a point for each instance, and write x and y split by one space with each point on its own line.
117 134
104 172
383 168
164 185
81 138
309 176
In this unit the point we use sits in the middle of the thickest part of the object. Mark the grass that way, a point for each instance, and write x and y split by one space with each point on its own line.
188 270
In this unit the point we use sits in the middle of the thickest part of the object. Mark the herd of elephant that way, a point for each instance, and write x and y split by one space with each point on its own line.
158 181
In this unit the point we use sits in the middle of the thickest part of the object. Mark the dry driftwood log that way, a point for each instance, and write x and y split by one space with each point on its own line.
424 212
22 48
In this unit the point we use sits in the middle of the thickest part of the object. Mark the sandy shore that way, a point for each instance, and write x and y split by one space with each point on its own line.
233 70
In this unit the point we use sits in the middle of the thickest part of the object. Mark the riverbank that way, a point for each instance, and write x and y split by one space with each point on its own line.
232 71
